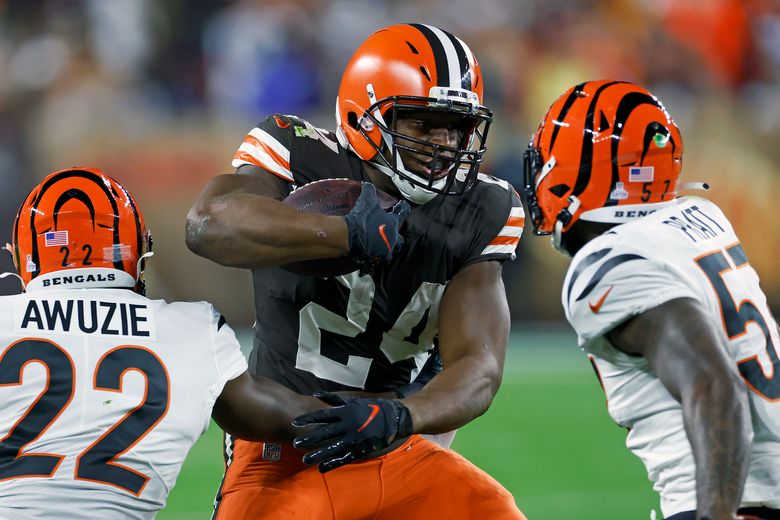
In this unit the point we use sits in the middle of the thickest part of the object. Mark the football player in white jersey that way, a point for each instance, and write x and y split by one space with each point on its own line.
104 391
663 300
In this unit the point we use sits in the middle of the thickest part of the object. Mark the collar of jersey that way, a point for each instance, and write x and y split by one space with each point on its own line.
82 278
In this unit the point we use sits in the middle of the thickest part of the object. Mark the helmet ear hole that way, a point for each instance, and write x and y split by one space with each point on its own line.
559 190
352 119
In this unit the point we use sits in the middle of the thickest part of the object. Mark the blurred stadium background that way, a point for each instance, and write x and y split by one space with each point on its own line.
160 93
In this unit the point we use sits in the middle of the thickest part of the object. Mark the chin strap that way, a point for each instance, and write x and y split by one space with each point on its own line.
563 219
138 270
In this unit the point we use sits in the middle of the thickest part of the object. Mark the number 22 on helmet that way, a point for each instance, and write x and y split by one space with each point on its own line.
606 151
80 228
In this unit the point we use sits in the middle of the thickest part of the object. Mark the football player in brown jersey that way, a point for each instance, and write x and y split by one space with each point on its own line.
410 121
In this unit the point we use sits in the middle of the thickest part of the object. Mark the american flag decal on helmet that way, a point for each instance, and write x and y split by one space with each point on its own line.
640 174
56 238
507 239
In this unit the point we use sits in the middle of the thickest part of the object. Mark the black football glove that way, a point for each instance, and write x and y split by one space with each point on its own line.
373 232
352 430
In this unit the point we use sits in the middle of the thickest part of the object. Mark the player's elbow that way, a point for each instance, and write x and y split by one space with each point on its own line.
202 229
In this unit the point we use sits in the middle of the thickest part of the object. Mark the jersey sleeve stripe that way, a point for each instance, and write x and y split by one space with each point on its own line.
516 221
583 265
604 269
505 240
250 154
281 160
508 249
270 142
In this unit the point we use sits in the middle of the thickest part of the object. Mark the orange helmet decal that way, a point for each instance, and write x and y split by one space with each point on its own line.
606 151
78 219
405 67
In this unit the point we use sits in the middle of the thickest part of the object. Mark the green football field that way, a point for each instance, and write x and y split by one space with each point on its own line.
547 438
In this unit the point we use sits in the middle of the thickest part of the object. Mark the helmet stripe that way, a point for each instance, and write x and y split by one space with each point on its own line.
74 194
575 93
586 155
439 55
449 68
64 175
463 62
627 105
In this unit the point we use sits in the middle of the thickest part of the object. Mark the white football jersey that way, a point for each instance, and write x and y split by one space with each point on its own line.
102 393
687 249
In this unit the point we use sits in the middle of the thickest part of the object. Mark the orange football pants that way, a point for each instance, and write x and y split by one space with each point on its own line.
418 480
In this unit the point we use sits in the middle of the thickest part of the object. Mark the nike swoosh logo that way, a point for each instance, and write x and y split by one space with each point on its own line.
384 237
374 412
597 306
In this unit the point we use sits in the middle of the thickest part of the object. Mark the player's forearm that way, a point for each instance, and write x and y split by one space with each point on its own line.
717 420
248 230
263 410
461 392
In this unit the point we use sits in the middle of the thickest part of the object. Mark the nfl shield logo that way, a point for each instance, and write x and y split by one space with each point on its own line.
640 174
272 452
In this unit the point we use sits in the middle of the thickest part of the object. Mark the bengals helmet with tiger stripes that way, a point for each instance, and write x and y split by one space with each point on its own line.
606 151
80 228
414 67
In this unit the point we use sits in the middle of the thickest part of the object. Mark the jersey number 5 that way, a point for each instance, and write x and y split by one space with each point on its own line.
97 462
736 317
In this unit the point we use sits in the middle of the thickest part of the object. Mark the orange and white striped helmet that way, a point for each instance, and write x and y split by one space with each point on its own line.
80 228
417 67
606 151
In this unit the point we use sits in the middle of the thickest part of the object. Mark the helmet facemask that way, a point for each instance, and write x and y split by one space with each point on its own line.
452 169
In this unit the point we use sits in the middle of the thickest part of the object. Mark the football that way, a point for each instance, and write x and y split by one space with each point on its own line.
334 197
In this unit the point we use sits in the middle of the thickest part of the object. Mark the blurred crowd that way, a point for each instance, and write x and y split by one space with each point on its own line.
159 93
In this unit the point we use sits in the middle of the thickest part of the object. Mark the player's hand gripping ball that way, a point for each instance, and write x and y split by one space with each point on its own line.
373 220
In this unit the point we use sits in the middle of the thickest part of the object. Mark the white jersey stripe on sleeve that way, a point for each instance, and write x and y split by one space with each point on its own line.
500 249
251 154
511 231
271 142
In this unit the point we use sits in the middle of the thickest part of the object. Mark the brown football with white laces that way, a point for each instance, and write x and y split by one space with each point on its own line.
335 197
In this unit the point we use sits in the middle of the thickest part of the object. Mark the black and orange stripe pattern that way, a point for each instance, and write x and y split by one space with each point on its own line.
103 223
587 145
